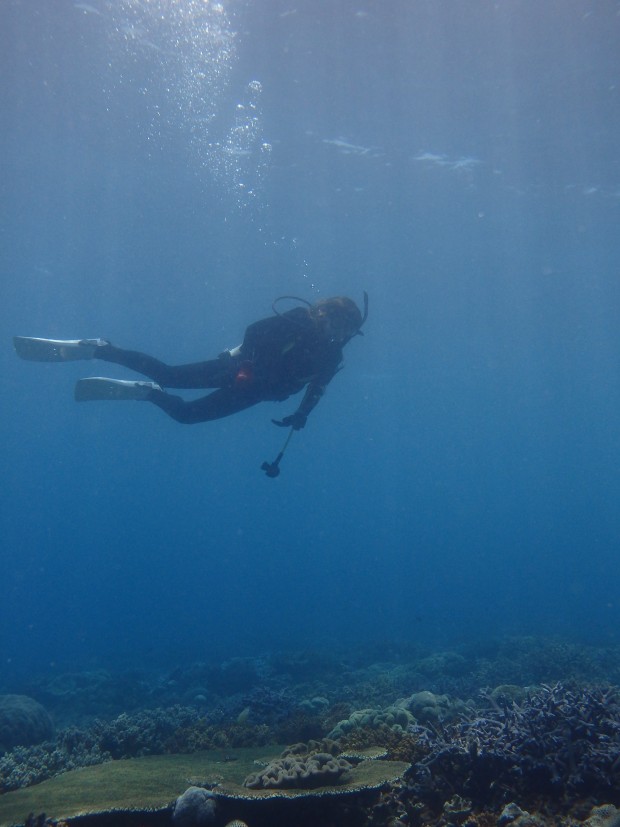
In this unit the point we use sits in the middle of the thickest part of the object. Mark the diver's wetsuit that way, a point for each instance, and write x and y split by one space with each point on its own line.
279 356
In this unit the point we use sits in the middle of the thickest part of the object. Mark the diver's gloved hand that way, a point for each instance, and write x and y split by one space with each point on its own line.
295 421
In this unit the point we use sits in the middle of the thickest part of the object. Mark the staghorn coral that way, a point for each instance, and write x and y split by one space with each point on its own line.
559 741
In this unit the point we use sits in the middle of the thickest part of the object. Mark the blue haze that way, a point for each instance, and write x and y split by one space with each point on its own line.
460 480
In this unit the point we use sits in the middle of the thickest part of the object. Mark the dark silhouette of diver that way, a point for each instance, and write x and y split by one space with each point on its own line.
279 356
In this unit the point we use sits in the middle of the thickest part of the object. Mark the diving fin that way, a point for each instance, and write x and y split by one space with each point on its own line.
56 350
100 387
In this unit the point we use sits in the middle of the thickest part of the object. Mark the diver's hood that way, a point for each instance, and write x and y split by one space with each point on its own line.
358 332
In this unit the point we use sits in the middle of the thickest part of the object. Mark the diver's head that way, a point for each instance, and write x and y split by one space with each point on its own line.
339 318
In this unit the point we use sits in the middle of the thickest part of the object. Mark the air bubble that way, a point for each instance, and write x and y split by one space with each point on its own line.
185 52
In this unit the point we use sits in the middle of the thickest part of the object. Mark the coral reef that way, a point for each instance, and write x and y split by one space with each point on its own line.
295 771
479 756
442 663
605 816
146 733
199 734
392 717
559 742
427 707
269 705
76 698
23 721
309 747
514 815
146 786
196 807
398 746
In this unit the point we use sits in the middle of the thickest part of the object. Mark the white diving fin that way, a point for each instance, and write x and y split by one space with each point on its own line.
100 387
56 350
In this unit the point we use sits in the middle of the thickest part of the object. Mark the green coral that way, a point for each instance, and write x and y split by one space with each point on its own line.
427 707
393 717
23 721
155 782
296 771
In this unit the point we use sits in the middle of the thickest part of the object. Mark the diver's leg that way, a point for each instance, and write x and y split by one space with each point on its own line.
102 387
216 405
215 373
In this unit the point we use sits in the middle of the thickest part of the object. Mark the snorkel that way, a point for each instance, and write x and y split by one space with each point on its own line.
359 331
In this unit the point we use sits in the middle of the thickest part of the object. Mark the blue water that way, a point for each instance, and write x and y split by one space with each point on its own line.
168 169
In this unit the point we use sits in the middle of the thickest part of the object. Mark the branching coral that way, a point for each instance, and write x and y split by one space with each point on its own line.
559 740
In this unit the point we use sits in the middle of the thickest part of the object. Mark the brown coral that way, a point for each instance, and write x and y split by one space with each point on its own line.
294 772
203 736
400 746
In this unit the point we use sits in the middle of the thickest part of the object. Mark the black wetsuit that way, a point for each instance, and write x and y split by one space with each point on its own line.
279 356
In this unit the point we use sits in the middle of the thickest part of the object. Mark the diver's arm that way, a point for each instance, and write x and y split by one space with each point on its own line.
311 398
230 351
313 394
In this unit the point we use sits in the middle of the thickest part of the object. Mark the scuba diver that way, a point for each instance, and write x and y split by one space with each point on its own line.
279 356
